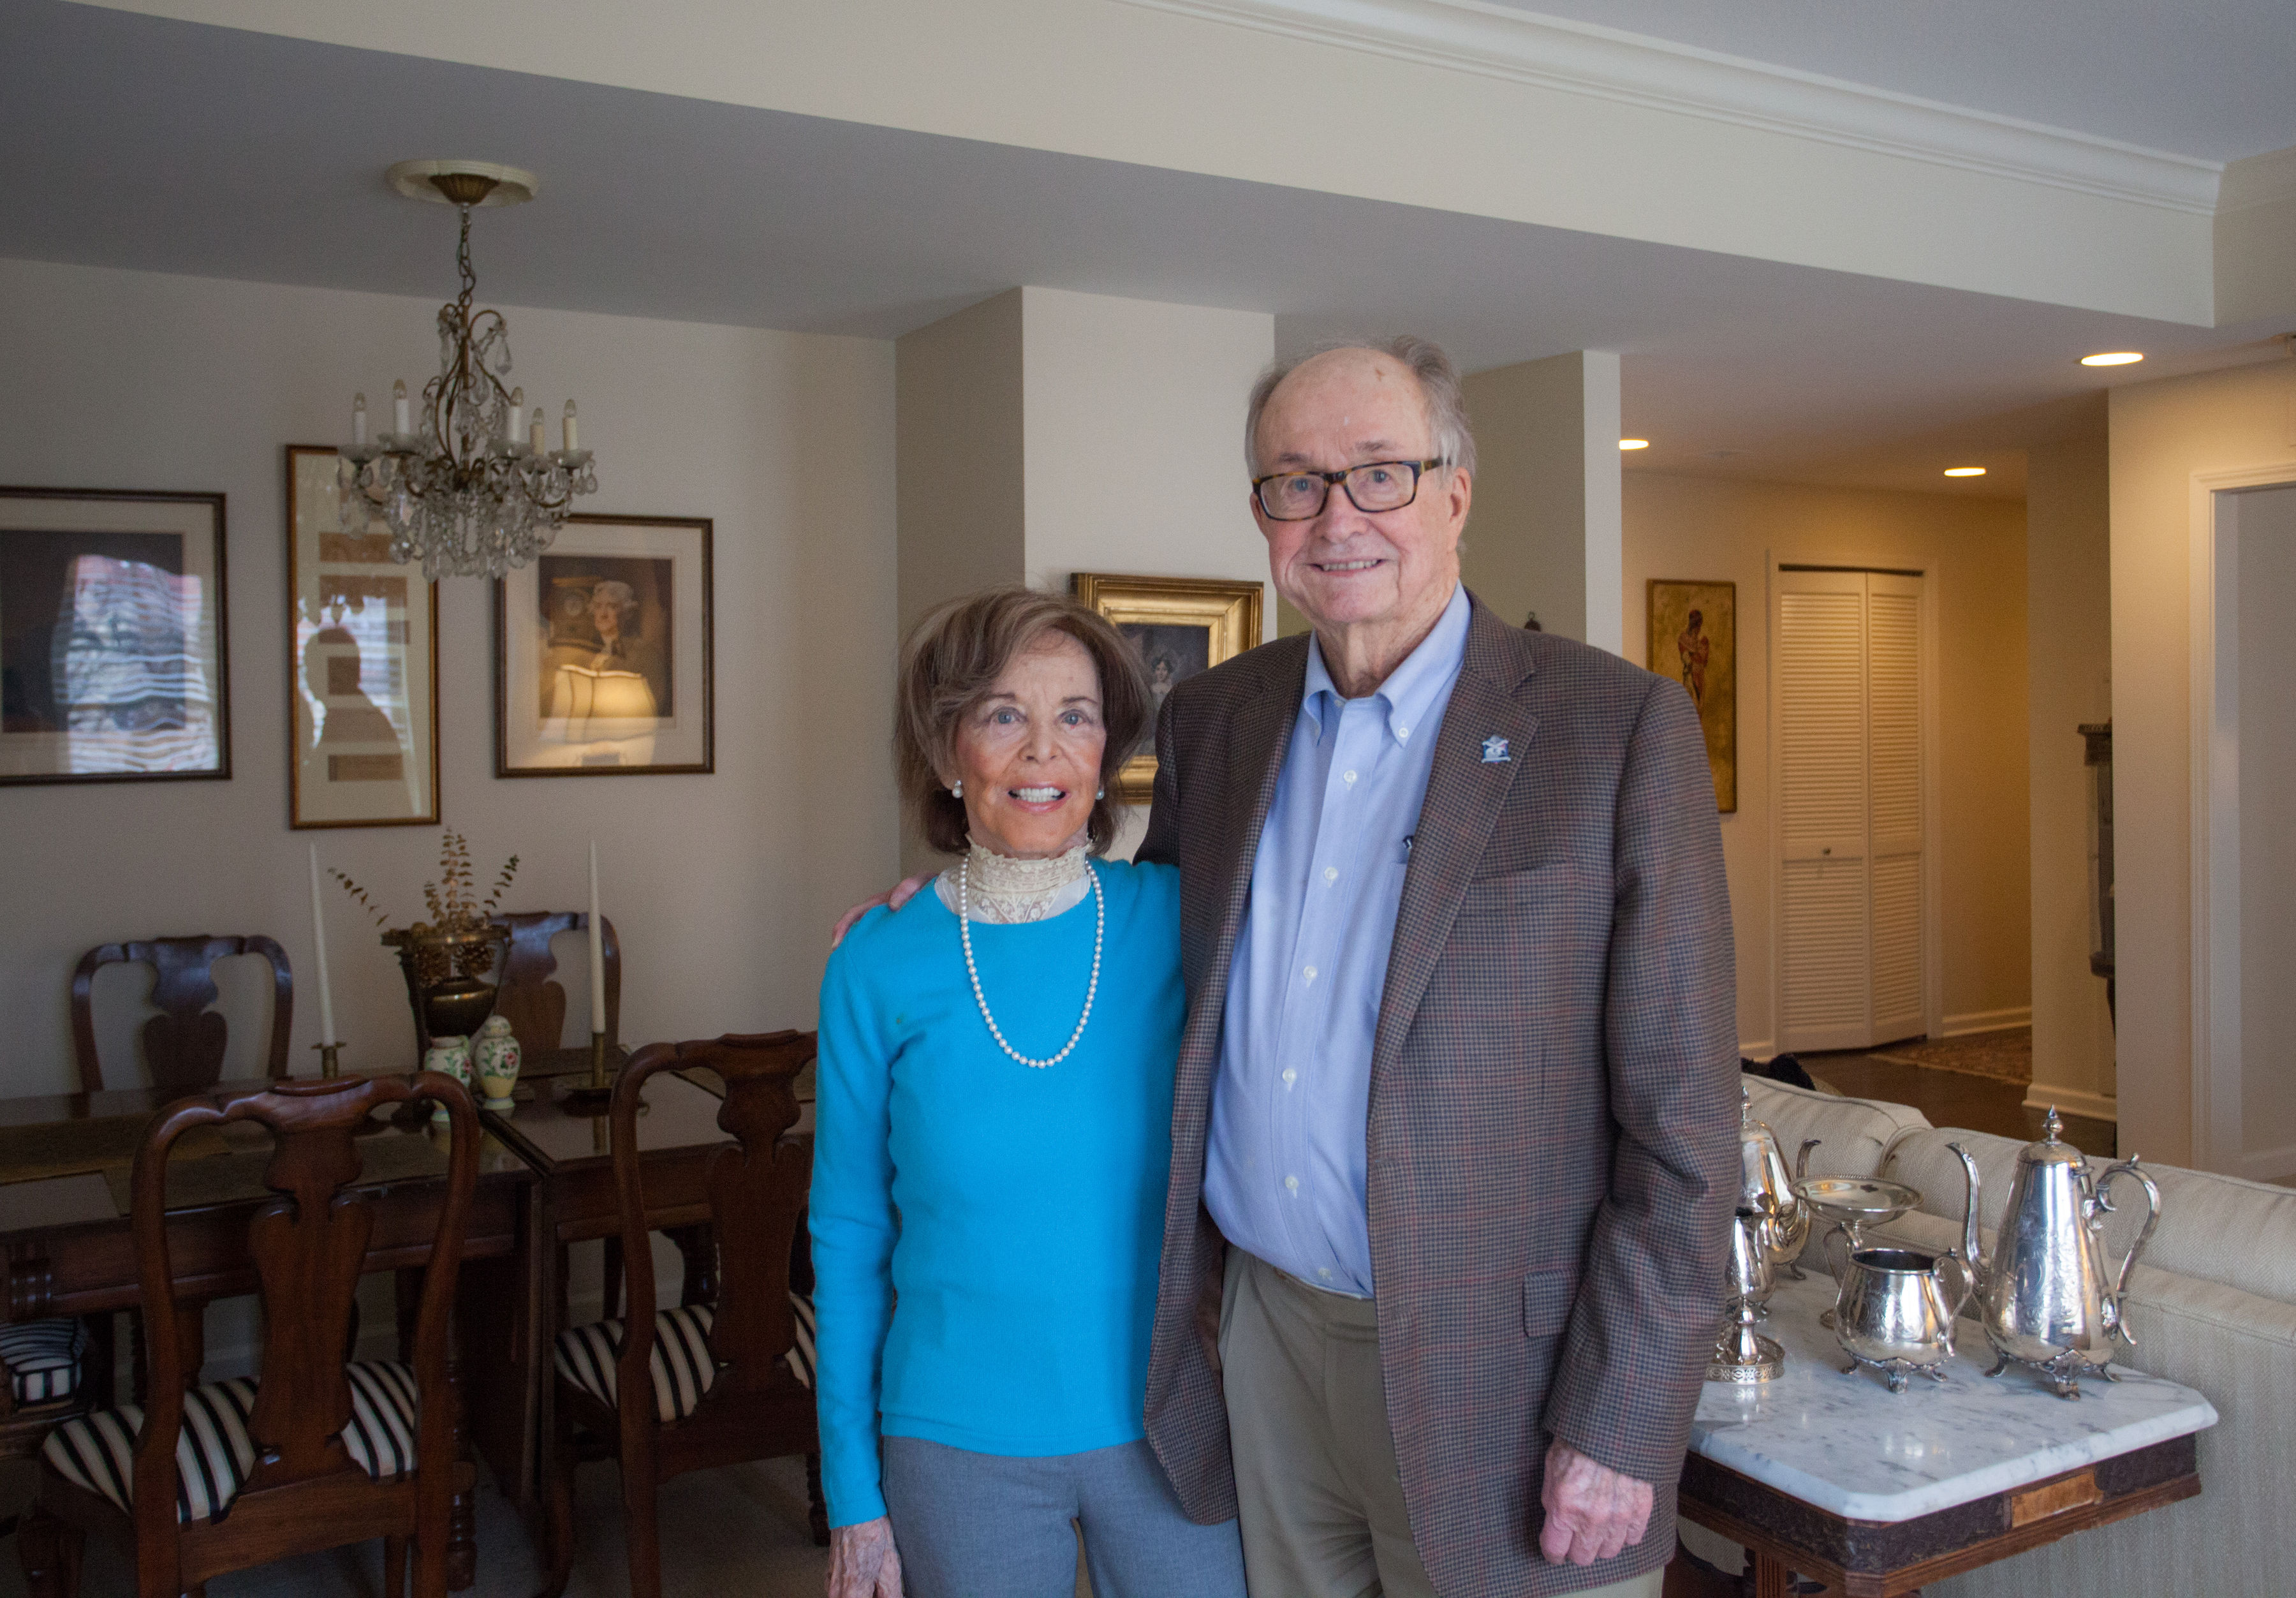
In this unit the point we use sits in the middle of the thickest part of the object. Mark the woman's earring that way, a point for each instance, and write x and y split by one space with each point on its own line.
1102 794
957 788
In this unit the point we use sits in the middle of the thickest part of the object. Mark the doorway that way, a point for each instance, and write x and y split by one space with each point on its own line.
1852 719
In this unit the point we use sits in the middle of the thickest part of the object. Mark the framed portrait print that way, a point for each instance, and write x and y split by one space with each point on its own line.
114 658
1693 639
1181 626
603 652
363 657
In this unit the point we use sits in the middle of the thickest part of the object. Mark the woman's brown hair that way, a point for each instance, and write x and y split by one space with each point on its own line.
952 657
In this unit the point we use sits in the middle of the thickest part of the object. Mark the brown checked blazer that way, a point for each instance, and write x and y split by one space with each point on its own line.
1553 1089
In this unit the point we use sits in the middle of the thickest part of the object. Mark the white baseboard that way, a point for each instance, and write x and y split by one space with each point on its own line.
1764 1050
2097 1106
2269 1165
1985 1020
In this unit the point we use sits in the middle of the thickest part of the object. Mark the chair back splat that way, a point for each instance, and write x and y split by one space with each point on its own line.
303 1488
184 1043
758 1188
534 1004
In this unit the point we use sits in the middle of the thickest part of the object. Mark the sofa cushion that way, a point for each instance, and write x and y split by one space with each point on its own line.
1854 1133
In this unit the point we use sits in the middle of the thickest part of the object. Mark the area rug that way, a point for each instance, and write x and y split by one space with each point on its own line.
2003 1056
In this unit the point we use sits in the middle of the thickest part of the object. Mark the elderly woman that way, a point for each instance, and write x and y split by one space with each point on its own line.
994 1114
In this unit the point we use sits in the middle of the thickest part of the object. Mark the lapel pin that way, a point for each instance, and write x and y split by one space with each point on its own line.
1494 750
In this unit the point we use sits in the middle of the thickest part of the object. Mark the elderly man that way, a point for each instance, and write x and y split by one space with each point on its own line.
1451 1148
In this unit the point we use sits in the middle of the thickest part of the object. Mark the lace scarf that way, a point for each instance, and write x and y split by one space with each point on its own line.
1005 891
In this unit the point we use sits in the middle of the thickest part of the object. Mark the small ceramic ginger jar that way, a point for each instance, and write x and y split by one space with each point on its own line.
449 1057
496 1058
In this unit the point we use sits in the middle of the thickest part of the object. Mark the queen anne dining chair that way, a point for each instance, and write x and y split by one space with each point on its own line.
184 1043
708 1384
313 1452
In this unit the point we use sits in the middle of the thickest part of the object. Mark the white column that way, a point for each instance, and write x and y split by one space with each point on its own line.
1546 532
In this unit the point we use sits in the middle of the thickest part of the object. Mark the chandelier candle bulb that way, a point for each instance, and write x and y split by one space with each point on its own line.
533 437
398 416
570 445
358 421
510 421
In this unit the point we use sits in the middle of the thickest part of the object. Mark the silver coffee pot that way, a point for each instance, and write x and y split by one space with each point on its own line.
2043 1297
1765 1187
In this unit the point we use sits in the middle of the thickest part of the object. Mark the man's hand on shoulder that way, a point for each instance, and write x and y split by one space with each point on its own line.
903 892
1592 1512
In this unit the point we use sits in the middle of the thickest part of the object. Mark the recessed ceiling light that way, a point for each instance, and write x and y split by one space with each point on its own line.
1633 443
2113 358
1964 471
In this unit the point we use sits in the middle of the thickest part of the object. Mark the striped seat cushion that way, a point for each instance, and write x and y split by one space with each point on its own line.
682 1365
213 1452
44 1358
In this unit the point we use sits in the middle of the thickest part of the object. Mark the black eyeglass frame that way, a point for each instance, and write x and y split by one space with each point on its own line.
1419 468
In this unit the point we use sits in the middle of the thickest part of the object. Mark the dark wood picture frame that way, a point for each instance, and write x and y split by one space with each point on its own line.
425 748
1225 611
221 662
672 553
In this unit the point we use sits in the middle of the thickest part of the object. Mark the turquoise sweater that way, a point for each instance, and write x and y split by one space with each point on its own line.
985 1235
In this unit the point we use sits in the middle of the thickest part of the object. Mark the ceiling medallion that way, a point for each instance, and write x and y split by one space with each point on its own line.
467 488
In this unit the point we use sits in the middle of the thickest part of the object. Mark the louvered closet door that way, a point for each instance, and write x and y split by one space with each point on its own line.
1825 899
1893 678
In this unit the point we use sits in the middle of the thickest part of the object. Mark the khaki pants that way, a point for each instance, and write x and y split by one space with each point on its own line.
1322 1503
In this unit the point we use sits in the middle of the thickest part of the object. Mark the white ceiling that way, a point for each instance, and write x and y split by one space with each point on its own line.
175 147
2212 78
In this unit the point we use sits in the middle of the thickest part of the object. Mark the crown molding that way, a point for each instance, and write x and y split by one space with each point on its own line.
1583 58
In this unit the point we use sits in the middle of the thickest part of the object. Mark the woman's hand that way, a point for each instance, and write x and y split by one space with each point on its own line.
862 1562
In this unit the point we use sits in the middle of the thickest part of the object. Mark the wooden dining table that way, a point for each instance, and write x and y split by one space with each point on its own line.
64 1162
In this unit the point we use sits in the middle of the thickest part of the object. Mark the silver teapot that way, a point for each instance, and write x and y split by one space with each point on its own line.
1765 1187
2042 1298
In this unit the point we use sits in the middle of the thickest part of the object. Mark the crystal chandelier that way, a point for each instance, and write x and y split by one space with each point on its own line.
468 488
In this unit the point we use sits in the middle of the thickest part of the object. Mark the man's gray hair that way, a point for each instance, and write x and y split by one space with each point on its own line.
1448 430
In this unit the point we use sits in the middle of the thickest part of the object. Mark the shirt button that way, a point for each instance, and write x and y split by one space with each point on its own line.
1292 1182
1325 1272
1290 1076
1310 974
1348 777
1331 873
1402 733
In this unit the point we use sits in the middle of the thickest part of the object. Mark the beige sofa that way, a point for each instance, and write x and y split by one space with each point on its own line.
2212 1304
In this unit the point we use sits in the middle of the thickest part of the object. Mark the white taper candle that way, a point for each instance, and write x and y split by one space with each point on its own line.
319 939
598 949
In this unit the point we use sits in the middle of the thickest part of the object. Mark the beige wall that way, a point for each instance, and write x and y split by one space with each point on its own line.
1711 529
2068 632
721 886
962 496
2162 433
1543 534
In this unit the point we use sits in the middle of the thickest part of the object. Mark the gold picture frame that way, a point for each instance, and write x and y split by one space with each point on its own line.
361 665
1181 626
1694 640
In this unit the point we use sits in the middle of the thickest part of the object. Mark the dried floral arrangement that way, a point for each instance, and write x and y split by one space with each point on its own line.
456 913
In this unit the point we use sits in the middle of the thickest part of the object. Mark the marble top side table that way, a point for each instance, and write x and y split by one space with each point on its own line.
1834 1476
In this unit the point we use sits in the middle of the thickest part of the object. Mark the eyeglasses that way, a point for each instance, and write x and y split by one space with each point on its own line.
1372 487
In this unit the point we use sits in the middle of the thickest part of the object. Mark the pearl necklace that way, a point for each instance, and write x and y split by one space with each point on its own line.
1099 938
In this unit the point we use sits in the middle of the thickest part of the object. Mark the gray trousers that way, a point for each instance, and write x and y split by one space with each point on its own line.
1322 1501
983 1526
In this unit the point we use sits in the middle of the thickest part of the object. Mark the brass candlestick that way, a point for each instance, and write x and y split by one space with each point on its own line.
331 1064
595 1095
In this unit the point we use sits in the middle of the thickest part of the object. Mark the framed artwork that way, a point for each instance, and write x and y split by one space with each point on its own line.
602 653
1181 626
1693 639
363 655
114 658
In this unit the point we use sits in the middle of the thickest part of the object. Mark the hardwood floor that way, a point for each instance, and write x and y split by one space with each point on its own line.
1950 1098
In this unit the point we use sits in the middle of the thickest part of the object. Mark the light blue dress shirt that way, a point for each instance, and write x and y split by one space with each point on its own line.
1284 1173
